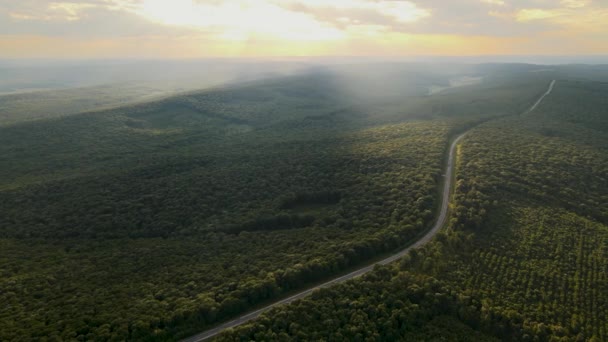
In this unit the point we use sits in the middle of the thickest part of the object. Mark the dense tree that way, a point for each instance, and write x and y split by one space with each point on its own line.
160 219
524 257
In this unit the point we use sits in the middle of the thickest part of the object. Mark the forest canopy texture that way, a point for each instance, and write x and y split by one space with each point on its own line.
158 220
525 256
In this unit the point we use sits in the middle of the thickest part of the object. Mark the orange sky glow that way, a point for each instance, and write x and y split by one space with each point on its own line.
259 28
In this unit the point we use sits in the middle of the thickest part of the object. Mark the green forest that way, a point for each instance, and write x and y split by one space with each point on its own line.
524 258
155 221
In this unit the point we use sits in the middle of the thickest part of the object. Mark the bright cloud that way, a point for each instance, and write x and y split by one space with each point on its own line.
494 2
536 14
301 27
238 20
67 11
401 11
575 3
243 19
575 16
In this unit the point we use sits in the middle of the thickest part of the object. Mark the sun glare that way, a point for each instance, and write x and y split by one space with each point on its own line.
242 20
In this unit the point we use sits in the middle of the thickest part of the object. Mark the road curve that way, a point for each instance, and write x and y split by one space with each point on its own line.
426 238
439 223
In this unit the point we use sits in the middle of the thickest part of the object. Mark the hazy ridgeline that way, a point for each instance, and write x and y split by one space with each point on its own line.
32 90
157 219
42 89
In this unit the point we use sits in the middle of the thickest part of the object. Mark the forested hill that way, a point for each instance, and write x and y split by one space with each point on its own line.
157 220
180 155
525 257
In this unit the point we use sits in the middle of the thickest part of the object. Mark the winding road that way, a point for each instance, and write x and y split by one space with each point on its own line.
439 223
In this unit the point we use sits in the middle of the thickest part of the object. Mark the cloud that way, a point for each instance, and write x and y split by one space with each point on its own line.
536 14
34 10
90 19
575 3
575 16
59 11
494 2
289 19
307 19
360 10
268 27
240 20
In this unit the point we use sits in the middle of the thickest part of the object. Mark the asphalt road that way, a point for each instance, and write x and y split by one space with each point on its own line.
426 238
542 97
441 219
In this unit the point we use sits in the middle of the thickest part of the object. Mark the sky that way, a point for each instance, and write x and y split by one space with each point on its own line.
272 28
